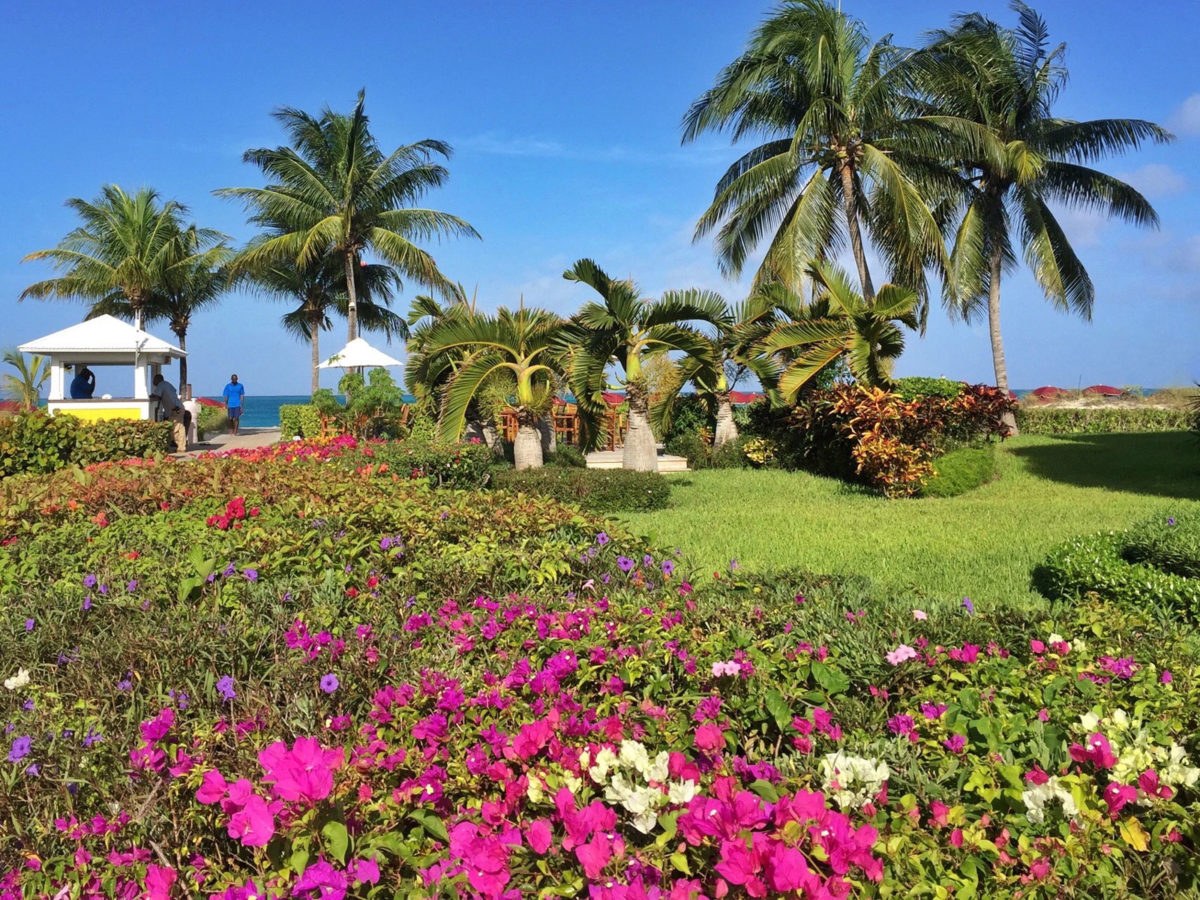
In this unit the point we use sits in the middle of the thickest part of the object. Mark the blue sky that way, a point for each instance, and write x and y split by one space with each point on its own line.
565 122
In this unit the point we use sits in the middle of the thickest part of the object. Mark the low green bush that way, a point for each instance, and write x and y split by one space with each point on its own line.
1170 544
693 446
212 420
1034 420
290 424
916 386
960 471
566 458
594 490
1104 566
464 466
33 442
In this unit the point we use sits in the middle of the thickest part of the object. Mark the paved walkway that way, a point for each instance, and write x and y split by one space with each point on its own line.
246 439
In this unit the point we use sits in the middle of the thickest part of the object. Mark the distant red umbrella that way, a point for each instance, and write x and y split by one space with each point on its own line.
613 399
9 406
1103 390
1048 393
740 398
205 401
1012 395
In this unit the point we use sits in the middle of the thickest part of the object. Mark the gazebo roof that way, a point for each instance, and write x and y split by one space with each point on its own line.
105 336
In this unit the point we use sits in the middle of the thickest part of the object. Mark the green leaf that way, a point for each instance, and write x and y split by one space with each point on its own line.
766 790
337 840
680 862
832 681
779 709
433 826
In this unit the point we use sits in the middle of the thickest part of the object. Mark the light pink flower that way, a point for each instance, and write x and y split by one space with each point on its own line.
901 654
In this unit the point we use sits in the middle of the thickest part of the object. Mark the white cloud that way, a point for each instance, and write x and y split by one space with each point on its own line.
1156 180
1186 119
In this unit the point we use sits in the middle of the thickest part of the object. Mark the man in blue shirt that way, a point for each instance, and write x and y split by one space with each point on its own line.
234 394
83 385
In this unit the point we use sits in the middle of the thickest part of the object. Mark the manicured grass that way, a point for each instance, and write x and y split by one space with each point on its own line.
981 544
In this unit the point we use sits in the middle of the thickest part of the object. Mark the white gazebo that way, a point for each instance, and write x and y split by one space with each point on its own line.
103 342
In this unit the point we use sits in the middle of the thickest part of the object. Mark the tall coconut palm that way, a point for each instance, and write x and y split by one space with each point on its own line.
1004 83
517 351
624 328
121 252
26 386
840 323
319 291
334 191
845 151
733 352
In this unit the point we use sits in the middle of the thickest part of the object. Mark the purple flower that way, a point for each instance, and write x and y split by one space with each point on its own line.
668 567
968 606
104 590
647 560
29 623
902 725
89 581
230 569
225 687
384 543
132 586
955 743
602 538
734 565
1171 520
251 574
33 770
1166 677
20 748
87 602
933 710
605 578
624 563
27 706
124 684
329 683
92 737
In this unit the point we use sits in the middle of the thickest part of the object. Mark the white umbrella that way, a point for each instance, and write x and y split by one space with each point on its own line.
358 354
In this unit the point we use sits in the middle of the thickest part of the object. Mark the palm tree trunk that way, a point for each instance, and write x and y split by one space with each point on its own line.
995 265
856 242
352 297
640 452
527 448
183 375
314 329
727 429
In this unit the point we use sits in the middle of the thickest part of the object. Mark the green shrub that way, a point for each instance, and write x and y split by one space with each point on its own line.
1101 565
694 446
289 421
595 490
916 386
212 420
960 471
1170 544
116 439
463 466
566 458
33 442
1035 420
729 455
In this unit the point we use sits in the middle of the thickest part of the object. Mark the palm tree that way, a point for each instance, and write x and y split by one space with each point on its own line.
840 323
1004 83
26 386
845 150
624 328
121 253
732 352
320 291
336 192
517 351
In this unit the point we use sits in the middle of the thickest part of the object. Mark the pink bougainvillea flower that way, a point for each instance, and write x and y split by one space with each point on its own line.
901 654
956 838
1098 752
158 882
920 615
710 738
364 871
212 787
1149 783
321 880
304 773
1117 796
537 833
253 824
956 743
594 855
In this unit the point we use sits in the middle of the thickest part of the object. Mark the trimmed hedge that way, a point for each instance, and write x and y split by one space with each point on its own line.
34 442
463 466
1032 420
1127 568
960 471
916 386
299 420
594 490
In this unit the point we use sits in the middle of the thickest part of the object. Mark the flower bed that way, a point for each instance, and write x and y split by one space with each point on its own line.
340 683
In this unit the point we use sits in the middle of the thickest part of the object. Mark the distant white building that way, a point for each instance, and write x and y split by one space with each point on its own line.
103 344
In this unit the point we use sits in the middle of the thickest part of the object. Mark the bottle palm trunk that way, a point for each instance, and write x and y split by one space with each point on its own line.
641 452
527 448
727 429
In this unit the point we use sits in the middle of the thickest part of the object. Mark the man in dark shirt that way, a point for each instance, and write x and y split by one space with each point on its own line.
83 385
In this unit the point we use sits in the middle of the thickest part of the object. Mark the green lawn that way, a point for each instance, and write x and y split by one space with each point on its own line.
981 544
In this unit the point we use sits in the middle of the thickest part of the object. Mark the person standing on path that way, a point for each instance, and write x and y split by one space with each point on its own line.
234 394
170 410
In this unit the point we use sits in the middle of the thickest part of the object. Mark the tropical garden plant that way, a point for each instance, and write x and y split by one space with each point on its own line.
26 385
994 88
623 328
334 191
516 351
845 152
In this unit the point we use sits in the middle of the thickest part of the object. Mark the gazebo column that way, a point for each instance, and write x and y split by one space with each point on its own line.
58 379
140 389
